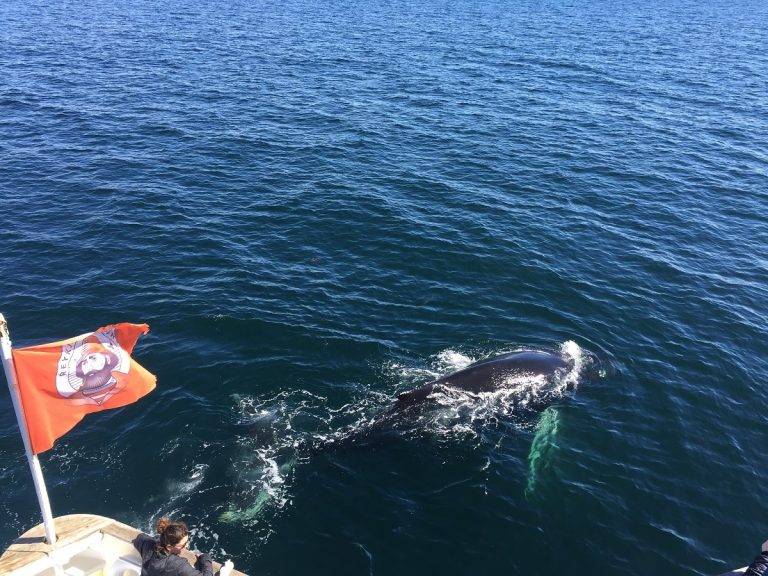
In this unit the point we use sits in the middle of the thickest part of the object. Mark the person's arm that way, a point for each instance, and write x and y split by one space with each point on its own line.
145 545
759 565
203 566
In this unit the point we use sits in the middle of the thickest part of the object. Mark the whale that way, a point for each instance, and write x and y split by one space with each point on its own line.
529 380
498 372
534 377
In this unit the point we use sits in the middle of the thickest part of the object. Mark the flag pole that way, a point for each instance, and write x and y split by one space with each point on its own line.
34 463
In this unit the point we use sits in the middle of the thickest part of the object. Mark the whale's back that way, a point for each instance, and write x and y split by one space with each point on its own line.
492 374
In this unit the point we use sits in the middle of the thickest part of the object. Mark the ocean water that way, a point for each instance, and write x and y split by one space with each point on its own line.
319 205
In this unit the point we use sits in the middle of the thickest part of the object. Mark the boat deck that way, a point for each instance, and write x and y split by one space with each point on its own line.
86 545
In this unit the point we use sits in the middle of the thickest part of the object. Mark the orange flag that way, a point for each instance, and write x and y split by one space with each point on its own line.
61 382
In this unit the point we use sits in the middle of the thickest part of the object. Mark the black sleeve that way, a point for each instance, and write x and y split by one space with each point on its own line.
759 566
203 566
145 545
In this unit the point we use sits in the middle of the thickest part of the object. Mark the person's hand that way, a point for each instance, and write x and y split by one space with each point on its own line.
765 546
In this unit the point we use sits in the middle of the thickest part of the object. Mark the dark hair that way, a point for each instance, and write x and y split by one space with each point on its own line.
171 533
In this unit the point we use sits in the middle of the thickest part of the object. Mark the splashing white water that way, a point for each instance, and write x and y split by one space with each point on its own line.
576 354
450 361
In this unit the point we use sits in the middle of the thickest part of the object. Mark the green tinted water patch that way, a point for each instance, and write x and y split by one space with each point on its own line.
271 493
543 448
249 514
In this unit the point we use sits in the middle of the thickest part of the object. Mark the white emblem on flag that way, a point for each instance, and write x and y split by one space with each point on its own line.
88 366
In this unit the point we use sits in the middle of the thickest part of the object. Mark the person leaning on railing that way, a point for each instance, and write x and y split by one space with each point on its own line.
161 557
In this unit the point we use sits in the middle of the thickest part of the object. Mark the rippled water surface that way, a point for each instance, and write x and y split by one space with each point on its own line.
319 205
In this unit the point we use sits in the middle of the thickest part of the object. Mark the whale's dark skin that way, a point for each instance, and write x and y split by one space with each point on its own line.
489 375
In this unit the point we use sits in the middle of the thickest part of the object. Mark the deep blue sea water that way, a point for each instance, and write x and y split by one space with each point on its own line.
318 205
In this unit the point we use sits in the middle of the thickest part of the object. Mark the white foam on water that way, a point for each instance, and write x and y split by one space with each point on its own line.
579 357
278 429
187 485
442 363
451 360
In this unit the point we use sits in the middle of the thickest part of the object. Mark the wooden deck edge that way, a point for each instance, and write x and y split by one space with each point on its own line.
31 547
